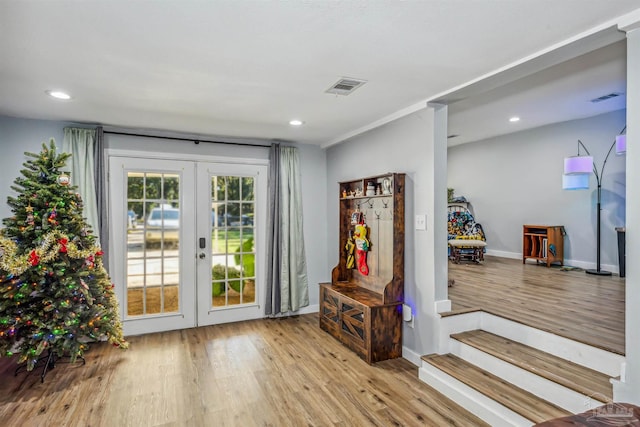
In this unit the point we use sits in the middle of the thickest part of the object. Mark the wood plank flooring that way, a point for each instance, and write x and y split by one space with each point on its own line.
572 304
284 372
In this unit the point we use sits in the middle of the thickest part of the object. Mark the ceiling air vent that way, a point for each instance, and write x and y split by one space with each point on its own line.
345 86
605 97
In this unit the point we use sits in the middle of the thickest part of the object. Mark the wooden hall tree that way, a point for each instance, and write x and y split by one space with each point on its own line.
362 306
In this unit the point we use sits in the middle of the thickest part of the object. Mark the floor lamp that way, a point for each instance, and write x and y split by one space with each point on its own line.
576 177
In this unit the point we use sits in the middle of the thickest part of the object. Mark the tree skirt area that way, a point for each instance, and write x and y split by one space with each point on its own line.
135 298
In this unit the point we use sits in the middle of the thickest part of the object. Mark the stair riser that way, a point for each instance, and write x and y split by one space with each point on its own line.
455 324
477 403
582 354
548 390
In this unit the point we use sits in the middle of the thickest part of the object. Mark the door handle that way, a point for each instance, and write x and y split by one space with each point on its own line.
201 255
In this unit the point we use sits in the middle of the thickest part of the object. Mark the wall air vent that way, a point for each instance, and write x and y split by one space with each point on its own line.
605 97
452 136
345 86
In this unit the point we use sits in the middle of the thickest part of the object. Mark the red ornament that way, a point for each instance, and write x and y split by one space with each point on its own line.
63 245
34 259
99 253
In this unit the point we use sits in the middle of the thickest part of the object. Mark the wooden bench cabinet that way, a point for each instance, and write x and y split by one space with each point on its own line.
364 311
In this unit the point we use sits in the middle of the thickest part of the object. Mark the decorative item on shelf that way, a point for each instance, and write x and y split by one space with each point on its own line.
378 189
371 189
386 186
450 195
344 193
578 169
356 217
358 192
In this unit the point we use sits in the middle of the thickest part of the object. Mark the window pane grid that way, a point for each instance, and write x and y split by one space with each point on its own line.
232 201
152 242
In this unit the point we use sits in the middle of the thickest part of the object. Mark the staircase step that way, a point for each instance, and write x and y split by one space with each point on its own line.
508 395
575 377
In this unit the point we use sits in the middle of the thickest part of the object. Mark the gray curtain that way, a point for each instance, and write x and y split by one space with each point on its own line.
101 195
81 144
287 282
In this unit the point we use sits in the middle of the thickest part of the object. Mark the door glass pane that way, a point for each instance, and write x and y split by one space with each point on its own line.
153 225
232 248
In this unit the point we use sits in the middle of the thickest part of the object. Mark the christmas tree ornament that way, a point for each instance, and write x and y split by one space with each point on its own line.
64 180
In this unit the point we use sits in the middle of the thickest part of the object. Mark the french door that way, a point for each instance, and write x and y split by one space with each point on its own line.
231 247
186 242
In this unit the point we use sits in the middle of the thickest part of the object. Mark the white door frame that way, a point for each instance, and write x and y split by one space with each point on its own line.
188 239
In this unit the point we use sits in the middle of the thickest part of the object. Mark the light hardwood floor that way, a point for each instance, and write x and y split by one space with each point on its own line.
284 372
572 304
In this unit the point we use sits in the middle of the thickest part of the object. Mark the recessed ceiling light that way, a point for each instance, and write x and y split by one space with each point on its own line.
514 119
58 94
296 122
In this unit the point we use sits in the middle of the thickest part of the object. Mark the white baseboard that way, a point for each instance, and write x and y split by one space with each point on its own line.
442 306
313 308
504 254
411 356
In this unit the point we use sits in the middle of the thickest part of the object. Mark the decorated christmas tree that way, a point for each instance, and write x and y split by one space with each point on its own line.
55 294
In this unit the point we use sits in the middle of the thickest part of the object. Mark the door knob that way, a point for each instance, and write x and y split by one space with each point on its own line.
202 255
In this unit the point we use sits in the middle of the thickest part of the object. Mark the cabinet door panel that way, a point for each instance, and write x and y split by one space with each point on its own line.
330 306
353 321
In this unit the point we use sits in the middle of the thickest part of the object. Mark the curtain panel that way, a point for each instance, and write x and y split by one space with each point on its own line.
81 144
287 282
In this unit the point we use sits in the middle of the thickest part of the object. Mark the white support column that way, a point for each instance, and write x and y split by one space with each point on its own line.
441 113
628 389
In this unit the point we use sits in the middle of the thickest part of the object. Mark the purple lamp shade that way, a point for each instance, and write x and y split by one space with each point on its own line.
621 144
578 165
575 182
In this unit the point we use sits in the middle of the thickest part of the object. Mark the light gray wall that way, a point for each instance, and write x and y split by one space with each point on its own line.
20 135
516 179
405 145
16 137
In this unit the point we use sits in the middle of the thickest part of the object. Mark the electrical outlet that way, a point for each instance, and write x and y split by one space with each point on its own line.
421 222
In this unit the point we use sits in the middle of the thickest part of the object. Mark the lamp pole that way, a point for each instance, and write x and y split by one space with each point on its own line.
598 271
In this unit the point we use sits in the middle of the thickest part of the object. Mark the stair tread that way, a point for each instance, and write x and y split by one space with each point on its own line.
568 374
516 399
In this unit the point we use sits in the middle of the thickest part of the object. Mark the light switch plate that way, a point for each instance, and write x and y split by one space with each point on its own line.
421 222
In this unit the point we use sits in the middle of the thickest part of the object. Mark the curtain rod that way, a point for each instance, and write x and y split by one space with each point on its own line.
194 140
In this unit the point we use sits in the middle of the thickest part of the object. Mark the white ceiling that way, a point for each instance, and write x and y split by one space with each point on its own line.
243 69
